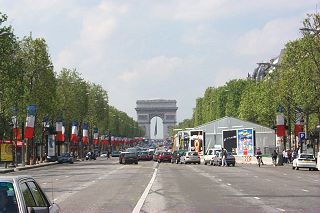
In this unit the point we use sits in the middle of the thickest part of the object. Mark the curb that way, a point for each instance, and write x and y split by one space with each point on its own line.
34 166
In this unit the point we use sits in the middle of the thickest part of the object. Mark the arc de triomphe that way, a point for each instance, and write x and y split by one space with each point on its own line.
148 109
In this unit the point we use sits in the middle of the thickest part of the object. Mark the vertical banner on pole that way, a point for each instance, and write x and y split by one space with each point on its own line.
31 115
280 122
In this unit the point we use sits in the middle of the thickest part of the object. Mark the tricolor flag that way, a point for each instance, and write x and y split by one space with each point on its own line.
74 132
31 117
95 136
85 133
280 122
298 126
59 135
16 130
63 132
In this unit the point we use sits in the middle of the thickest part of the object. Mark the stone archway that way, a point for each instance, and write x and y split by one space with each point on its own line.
165 109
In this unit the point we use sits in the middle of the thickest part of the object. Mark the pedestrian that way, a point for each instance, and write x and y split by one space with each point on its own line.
224 157
285 156
289 156
274 157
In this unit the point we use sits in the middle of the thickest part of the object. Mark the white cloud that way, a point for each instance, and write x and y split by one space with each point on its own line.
158 68
270 39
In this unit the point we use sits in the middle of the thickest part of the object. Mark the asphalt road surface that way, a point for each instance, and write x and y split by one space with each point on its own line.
107 186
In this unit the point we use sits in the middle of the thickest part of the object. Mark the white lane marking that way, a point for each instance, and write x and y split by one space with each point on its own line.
44 183
268 180
219 180
143 197
316 180
67 176
57 179
256 176
257 198
281 210
299 177
305 190
284 174
229 184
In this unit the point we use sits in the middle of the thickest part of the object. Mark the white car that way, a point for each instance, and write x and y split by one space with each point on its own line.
304 161
190 157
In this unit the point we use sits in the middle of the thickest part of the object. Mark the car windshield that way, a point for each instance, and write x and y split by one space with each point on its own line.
307 156
7 197
66 154
130 154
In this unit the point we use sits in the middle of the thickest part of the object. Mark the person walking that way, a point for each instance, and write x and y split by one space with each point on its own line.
274 157
224 157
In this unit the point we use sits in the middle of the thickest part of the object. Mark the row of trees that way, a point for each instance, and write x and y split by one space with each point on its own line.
27 77
295 83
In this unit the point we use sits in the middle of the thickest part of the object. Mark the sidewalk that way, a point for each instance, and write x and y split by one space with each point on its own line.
20 167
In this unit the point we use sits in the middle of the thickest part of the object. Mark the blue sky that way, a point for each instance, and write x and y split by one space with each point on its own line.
168 49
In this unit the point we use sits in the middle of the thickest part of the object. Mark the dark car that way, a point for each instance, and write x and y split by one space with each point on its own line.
165 157
23 194
65 158
52 158
176 156
145 155
217 160
128 157
115 154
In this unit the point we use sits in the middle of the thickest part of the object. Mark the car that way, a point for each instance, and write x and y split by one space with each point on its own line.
128 157
190 157
176 156
104 155
52 158
65 158
217 159
23 194
164 157
156 155
115 154
144 155
304 161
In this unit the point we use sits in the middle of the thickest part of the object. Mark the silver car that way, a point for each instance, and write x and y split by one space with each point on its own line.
190 157
23 194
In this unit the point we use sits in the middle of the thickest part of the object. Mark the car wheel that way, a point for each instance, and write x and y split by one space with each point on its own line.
297 168
211 163
136 162
293 167
205 163
310 169
177 161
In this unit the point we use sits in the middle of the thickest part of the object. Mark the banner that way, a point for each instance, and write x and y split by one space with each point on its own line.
6 152
95 136
245 142
74 132
31 116
59 135
16 130
196 140
51 146
85 133
281 131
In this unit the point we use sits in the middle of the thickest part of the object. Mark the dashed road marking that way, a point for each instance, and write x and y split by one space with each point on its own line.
305 190
57 179
219 180
67 176
281 210
256 176
257 198
44 183
229 184
316 180
268 180
284 174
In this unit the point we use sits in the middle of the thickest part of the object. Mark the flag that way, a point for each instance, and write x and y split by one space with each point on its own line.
280 122
85 134
31 117
59 135
298 126
16 130
63 132
74 132
155 128
95 136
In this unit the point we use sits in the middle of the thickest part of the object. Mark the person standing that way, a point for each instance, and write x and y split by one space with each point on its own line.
224 157
274 157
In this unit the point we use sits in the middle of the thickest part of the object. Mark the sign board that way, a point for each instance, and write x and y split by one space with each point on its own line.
6 152
196 140
245 142
302 136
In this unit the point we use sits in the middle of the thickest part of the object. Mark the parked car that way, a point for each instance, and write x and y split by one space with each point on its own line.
164 157
304 161
217 159
65 158
91 156
104 155
24 195
52 158
128 157
115 154
190 157
210 155
176 156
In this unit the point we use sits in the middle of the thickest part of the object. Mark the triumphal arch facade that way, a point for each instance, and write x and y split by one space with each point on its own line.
148 109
